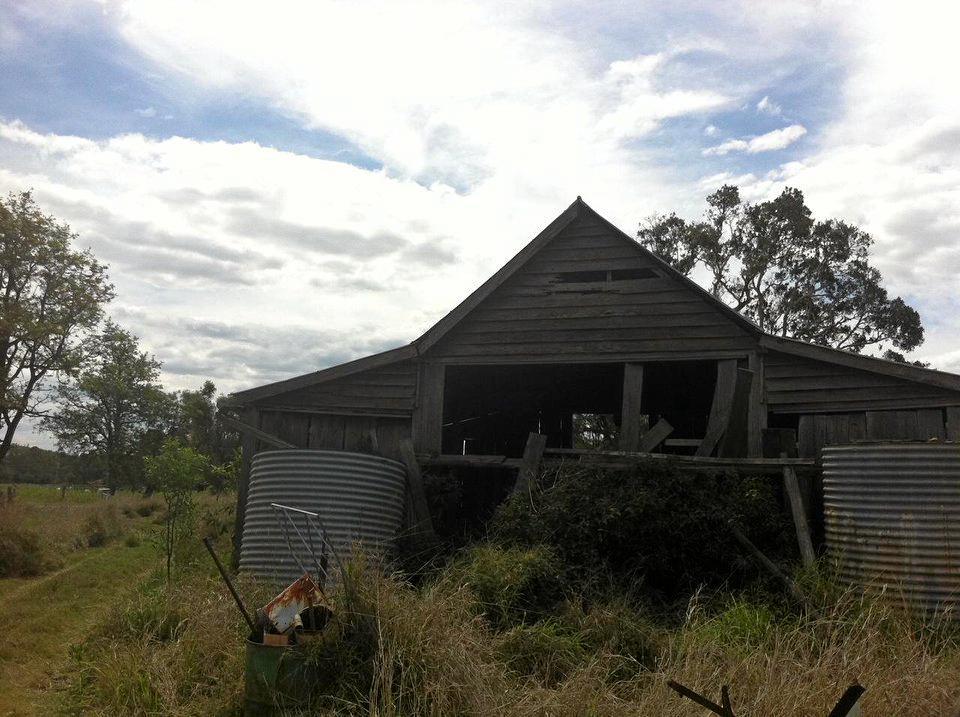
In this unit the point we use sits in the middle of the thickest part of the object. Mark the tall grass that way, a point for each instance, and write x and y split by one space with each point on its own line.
394 649
39 528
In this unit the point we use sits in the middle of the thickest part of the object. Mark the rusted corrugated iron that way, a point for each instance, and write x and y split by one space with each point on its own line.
283 610
892 518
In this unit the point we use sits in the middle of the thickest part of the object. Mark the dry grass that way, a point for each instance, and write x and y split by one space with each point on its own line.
40 528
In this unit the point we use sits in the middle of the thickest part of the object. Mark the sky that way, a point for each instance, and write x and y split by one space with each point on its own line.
280 187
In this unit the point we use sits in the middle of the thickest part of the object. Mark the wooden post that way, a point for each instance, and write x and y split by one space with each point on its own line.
722 406
248 446
416 494
757 412
428 414
530 465
631 410
791 489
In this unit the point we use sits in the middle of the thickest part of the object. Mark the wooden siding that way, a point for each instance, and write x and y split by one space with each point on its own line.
819 430
538 314
385 391
362 434
798 385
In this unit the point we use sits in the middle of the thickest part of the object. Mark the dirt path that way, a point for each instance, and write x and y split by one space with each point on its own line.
42 617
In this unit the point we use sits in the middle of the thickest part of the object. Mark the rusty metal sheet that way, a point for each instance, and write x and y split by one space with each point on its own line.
283 610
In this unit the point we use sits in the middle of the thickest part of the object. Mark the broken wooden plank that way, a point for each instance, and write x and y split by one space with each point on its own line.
630 414
734 441
247 429
766 563
722 406
420 510
655 436
530 465
791 488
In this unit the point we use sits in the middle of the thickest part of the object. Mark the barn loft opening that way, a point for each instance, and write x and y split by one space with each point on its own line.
490 410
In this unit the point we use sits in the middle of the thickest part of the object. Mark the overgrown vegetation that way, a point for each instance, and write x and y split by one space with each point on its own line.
528 623
43 525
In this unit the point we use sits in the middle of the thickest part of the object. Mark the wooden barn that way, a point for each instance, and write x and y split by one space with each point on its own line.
584 321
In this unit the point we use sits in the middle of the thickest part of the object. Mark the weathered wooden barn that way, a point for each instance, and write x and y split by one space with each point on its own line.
585 321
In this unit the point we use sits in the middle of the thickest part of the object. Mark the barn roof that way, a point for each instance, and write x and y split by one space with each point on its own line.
577 209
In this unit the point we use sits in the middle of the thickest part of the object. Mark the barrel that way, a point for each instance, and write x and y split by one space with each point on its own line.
359 498
892 519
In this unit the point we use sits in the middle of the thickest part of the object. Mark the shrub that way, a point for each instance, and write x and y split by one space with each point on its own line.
651 528
512 584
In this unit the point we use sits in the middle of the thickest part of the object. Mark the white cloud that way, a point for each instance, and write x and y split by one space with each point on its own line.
711 130
147 112
766 106
777 139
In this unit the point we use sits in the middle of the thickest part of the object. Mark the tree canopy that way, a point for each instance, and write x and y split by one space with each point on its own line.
50 296
792 275
116 408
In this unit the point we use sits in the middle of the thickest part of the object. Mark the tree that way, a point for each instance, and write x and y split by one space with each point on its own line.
790 274
198 425
50 295
176 472
116 408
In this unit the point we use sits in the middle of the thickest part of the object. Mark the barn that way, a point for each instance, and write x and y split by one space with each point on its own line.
584 321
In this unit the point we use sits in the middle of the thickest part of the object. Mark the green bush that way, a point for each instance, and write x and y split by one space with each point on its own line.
511 585
651 528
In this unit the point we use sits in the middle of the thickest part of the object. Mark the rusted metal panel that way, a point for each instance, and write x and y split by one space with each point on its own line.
892 518
359 498
301 594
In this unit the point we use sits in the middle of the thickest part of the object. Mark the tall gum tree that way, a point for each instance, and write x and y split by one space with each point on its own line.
792 275
51 296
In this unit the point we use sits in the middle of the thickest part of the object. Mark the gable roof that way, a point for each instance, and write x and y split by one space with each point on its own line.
577 209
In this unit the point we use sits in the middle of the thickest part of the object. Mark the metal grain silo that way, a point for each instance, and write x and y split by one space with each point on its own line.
892 518
359 498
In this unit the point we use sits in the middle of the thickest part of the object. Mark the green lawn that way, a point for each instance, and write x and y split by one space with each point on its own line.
43 616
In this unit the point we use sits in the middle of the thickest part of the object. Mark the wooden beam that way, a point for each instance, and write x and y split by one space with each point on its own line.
416 494
757 412
480 461
631 409
530 465
766 562
655 436
428 414
247 429
772 463
722 406
734 440
791 488
248 446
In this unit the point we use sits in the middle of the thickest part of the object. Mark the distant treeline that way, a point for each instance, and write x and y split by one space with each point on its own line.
30 464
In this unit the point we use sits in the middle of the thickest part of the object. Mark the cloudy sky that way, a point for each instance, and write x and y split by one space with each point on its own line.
278 187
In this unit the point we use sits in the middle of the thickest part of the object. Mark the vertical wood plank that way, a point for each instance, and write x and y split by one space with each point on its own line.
248 447
416 494
806 438
631 410
791 489
530 466
326 432
757 412
722 406
733 443
953 423
930 423
293 428
428 414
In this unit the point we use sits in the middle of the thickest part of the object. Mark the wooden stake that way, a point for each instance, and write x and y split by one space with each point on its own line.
791 489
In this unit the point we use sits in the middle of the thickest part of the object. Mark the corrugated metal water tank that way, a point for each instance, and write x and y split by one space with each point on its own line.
359 497
892 517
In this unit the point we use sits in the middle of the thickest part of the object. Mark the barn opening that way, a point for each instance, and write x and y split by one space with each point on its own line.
490 410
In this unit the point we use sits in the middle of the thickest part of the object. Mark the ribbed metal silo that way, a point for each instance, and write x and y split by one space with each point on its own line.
359 497
892 518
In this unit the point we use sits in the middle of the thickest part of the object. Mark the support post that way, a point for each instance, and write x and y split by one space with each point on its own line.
655 436
757 412
791 488
631 410
722 406
530 464
428 414
248 446
423 523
